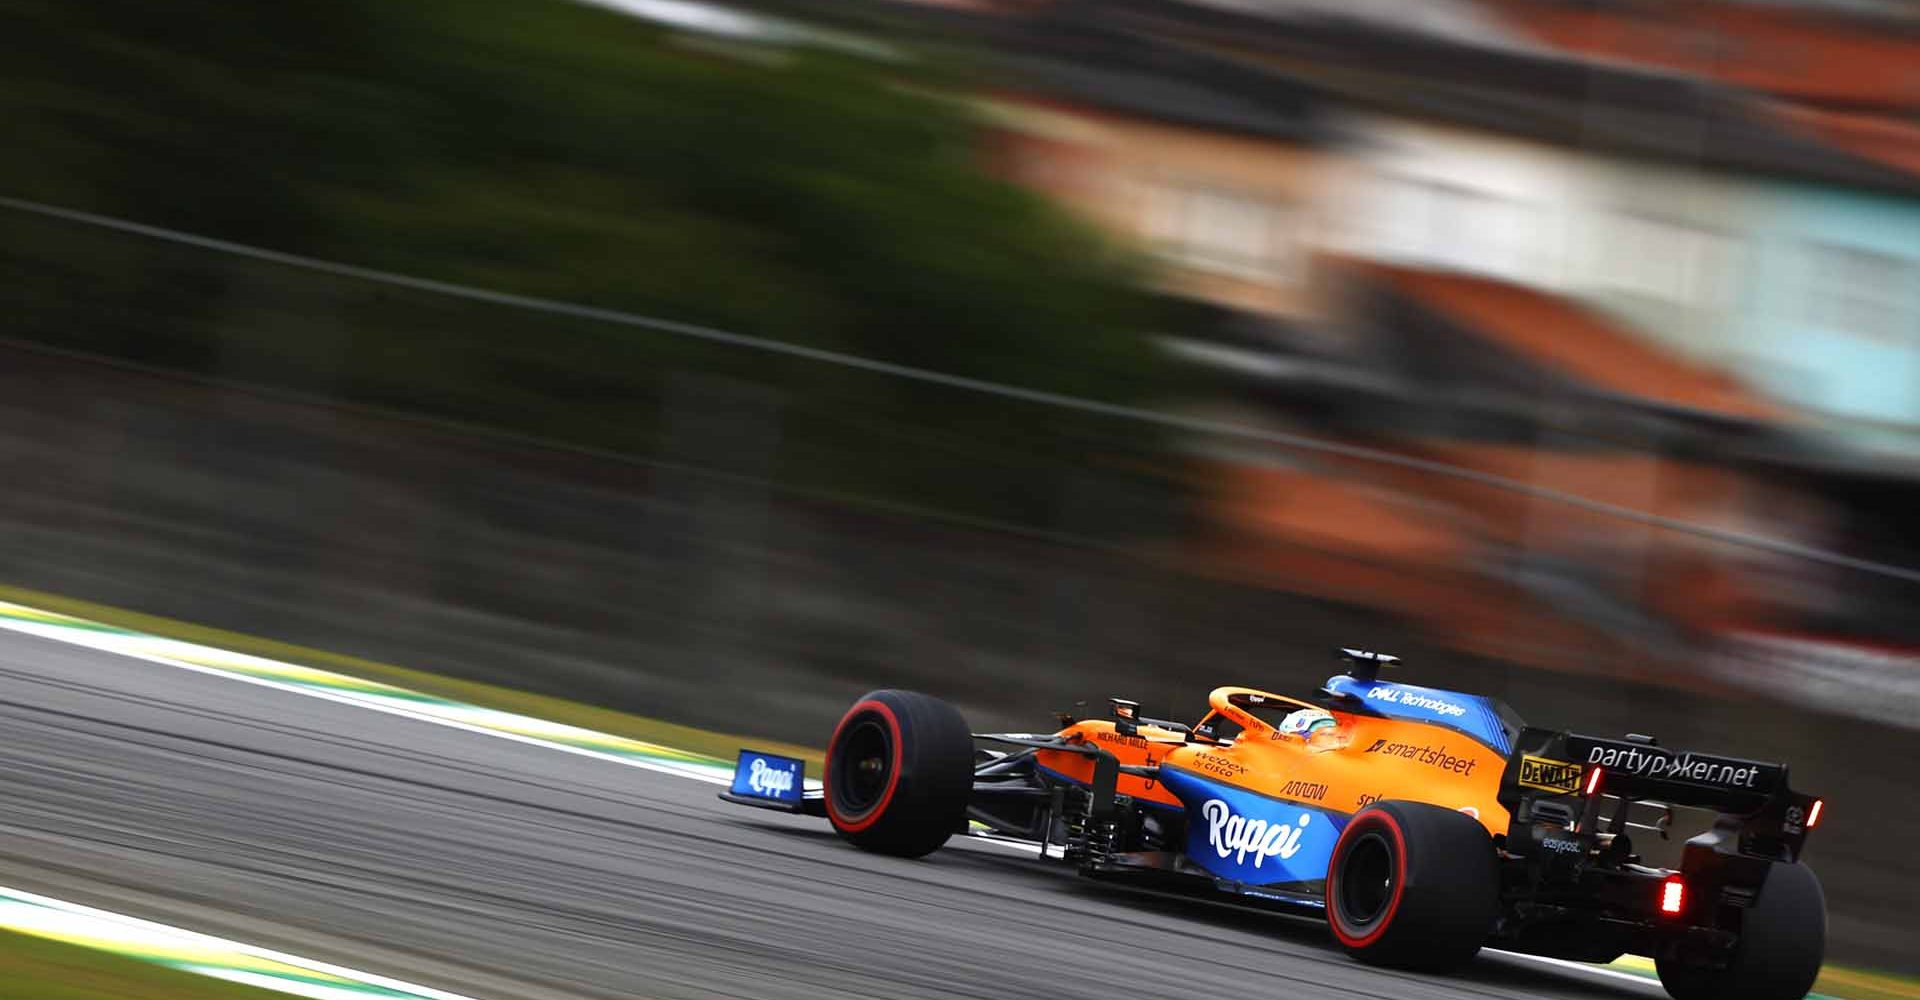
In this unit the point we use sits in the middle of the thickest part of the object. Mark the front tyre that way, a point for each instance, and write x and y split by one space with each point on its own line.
1783 938
899 773
1412 886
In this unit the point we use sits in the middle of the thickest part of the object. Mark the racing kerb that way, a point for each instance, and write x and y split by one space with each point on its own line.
186 950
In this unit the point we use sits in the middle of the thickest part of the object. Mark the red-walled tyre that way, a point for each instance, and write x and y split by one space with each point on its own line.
899 772
1412 886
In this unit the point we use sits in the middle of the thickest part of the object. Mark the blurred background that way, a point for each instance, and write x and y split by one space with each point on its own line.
721 363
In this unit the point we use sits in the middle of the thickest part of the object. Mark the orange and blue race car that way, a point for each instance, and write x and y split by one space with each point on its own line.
1424 824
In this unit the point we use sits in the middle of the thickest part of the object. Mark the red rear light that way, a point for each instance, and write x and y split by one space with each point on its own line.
1813 816
1593 780
1673 896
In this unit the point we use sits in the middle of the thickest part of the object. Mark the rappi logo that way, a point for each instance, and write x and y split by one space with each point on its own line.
769 781
1238 837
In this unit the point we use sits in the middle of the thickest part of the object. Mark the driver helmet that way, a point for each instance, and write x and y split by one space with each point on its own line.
1306 722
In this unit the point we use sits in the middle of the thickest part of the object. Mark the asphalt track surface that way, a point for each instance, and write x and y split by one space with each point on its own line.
506 871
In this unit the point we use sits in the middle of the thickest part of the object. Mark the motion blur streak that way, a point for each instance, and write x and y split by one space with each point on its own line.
977 385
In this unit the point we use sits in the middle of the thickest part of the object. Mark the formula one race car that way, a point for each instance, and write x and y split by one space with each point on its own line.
1423 823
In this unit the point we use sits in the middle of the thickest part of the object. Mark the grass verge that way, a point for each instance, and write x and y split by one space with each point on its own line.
1859 984
1835 982
33 968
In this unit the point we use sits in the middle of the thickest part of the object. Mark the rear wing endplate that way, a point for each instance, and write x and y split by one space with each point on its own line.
1752 795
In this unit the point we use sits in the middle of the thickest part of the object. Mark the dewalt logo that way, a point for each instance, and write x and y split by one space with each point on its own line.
1549 775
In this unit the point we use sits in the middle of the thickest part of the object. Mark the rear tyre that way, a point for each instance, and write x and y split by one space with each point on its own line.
1412 886
1783 938
899 773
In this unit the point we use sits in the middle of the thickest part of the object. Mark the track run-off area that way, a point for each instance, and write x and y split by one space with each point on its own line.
499 857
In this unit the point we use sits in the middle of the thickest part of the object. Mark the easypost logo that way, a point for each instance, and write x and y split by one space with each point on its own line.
1562 846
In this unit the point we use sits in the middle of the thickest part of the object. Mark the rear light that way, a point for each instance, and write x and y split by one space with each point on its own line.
1593 780
1673 896
1813 816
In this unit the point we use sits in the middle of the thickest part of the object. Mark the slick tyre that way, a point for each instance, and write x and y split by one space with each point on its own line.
899 773
1783 938
1412 886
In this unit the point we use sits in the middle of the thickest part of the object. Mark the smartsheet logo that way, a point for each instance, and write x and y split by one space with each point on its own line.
1429 755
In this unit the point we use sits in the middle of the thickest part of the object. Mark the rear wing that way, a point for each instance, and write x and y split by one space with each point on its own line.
1576 771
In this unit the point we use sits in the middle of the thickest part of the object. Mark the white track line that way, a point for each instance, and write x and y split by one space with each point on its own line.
1583 967
75 637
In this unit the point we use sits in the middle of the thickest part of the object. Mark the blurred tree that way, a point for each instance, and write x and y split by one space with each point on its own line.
549 148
